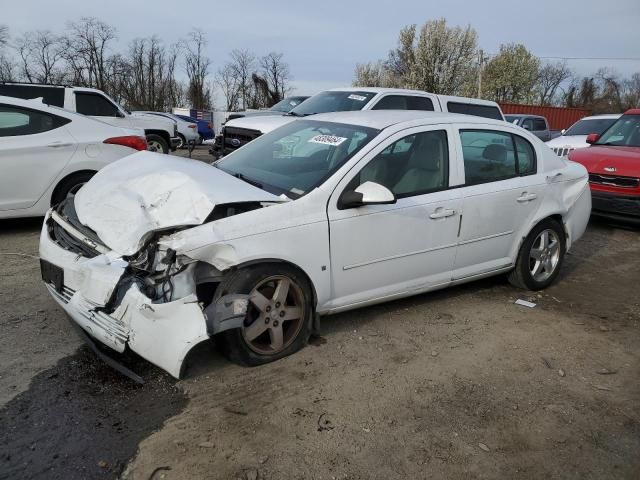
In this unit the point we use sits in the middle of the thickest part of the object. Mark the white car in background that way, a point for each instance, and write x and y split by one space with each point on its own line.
48 153
322 215
576 135
187 131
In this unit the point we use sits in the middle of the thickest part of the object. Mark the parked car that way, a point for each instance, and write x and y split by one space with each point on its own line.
576 135
47 154
187 131
205 128
161 134
613 162
322 215
236 133
280 108
536 124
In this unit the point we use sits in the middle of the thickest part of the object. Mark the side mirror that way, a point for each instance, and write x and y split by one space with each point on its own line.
563 131
592 138
369 193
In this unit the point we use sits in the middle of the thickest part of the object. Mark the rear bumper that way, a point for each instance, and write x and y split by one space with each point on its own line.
624 208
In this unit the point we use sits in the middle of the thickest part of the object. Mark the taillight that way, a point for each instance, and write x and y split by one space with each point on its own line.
131 141
192 126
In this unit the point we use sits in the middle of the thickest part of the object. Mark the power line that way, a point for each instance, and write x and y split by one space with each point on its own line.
628 59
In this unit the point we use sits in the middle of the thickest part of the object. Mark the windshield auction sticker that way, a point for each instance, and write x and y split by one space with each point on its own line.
359 98
327 140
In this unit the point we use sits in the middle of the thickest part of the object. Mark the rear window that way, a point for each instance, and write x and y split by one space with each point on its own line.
50 95
486 111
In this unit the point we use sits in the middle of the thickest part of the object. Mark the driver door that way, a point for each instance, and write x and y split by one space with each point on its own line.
381 251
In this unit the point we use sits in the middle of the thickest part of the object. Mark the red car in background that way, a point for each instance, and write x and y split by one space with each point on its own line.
613 163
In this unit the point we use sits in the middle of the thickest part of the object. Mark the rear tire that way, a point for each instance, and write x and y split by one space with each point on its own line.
540 257
183 141
70 186
156 143
278 322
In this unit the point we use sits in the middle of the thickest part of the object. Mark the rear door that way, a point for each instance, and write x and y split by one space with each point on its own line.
502 191
34 148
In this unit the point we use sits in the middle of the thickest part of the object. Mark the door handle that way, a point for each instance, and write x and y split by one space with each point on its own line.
526 197
442 213
59 144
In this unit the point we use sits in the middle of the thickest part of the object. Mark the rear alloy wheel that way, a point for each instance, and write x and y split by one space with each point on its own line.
182 141
278 321
155 143
540 257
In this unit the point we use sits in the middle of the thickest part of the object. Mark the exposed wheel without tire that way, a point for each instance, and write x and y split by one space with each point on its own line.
70 186
540 257
279 316
156 143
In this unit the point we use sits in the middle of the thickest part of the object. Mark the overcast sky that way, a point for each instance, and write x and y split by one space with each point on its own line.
322 41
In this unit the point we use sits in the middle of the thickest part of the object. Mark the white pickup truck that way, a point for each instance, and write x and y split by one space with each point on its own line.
161 133
236 133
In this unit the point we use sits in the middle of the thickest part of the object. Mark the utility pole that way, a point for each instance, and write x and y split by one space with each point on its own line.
480 67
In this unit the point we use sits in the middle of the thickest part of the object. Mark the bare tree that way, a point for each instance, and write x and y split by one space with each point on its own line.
6 64
242 67
550 77
87 53
197 69
276 72
41 56
4 35
228 83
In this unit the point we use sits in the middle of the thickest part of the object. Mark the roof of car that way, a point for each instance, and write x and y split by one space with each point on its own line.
406 91
603 116
523 115
380 119
633 111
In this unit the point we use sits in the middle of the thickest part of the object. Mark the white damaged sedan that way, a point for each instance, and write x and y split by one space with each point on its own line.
157 254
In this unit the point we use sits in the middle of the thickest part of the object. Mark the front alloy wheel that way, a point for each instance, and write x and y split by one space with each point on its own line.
275 315
279 314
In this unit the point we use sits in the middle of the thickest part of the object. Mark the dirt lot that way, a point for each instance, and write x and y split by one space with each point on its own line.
459 383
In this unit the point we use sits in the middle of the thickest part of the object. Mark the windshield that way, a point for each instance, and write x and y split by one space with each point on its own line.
624 132
586 127
333 102
296 157
287 104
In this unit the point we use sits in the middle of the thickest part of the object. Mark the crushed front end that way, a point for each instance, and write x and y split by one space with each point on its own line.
155 302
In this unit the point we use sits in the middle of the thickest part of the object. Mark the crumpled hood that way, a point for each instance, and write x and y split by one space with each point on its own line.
149 191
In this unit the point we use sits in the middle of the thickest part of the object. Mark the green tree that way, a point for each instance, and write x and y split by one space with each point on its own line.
512 75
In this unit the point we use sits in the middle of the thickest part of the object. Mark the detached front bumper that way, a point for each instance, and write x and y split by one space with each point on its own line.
162 333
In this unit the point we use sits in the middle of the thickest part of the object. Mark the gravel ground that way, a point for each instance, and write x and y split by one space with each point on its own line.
460 383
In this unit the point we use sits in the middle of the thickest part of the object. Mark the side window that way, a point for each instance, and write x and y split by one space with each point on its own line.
413 165
527 124
525 155
15 121
488 156
539 124
95 105
404 102
485 111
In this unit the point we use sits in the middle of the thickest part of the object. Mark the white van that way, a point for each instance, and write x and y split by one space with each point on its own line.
238 132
